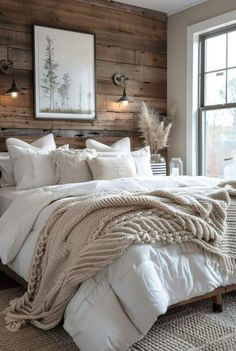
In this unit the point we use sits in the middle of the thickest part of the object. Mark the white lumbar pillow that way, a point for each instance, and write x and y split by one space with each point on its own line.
141 158
32 164
108 168
122 145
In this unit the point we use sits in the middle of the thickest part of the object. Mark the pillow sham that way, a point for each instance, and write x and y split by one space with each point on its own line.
122 145
6 166
32 168
71 165
108 168
31 164
47 142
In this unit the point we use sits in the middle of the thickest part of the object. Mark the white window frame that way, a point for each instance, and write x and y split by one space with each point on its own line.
192 86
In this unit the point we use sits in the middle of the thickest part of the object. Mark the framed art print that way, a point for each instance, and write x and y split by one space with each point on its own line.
65 82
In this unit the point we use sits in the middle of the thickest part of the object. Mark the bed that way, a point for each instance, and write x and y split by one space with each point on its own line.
120 303
7 196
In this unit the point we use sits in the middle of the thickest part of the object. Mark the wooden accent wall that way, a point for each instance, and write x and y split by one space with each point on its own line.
129 40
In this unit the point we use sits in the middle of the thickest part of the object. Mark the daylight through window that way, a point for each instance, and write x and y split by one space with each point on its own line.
217 112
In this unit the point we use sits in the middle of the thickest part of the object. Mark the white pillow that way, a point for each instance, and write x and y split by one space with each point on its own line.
71 165
32 165
141 158
47 142
108 168
142 162
6 166
7 174
122 145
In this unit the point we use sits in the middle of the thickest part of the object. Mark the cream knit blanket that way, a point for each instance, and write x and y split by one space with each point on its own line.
86 234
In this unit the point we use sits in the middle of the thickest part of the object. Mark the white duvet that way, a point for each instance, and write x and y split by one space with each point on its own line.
120 304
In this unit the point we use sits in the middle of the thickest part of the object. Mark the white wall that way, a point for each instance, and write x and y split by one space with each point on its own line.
176 64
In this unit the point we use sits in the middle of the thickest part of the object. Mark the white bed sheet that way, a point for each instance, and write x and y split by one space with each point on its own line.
7 196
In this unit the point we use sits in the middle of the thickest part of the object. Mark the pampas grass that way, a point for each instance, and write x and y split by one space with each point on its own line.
153 130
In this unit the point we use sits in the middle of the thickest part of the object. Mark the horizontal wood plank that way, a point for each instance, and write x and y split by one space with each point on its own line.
124 8
129 40
76 139
138 73
22 58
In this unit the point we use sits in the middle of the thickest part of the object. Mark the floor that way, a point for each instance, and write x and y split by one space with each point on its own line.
190 327
6 282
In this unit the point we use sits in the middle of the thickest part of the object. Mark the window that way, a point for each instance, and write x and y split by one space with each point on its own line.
217 112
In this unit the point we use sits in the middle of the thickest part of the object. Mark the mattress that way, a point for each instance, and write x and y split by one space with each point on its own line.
7 196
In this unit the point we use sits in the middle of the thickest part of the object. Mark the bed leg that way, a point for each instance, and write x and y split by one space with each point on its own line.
217 304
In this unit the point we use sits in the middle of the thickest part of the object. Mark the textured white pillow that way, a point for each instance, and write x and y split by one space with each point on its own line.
71 165
7 174
122 145
32 165
108 168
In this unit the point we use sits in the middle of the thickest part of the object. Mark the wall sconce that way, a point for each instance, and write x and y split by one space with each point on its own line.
120 79
7 67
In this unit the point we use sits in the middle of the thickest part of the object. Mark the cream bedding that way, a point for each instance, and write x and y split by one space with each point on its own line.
7 196
121 303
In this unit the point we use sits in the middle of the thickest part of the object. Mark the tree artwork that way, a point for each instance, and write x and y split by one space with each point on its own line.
49 81
80 95
64 74
66 83
89 100
63 92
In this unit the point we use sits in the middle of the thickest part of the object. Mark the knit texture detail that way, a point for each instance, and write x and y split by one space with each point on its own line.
86 234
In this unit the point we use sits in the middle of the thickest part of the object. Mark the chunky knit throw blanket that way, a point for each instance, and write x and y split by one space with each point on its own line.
86 234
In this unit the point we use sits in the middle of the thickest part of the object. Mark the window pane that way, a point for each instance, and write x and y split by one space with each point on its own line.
215 53
221 143
232 49
231 85
215 88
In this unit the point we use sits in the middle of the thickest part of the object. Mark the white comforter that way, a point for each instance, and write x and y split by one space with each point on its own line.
120 304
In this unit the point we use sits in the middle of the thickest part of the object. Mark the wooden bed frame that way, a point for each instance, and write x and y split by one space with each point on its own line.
215 295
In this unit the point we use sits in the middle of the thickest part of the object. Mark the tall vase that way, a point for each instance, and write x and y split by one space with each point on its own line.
158 165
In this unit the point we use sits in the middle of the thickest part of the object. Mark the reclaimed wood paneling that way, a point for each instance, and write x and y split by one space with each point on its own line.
129 39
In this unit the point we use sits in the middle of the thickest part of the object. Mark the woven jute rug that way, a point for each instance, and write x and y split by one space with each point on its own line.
189 328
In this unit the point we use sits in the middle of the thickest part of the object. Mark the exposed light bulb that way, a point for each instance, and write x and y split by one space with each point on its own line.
124 103
14 94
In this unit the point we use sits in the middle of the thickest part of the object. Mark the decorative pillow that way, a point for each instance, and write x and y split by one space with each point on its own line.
6 166
141 158
142 162
71 165
7 174
47 142
32 165
122 145
108 168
